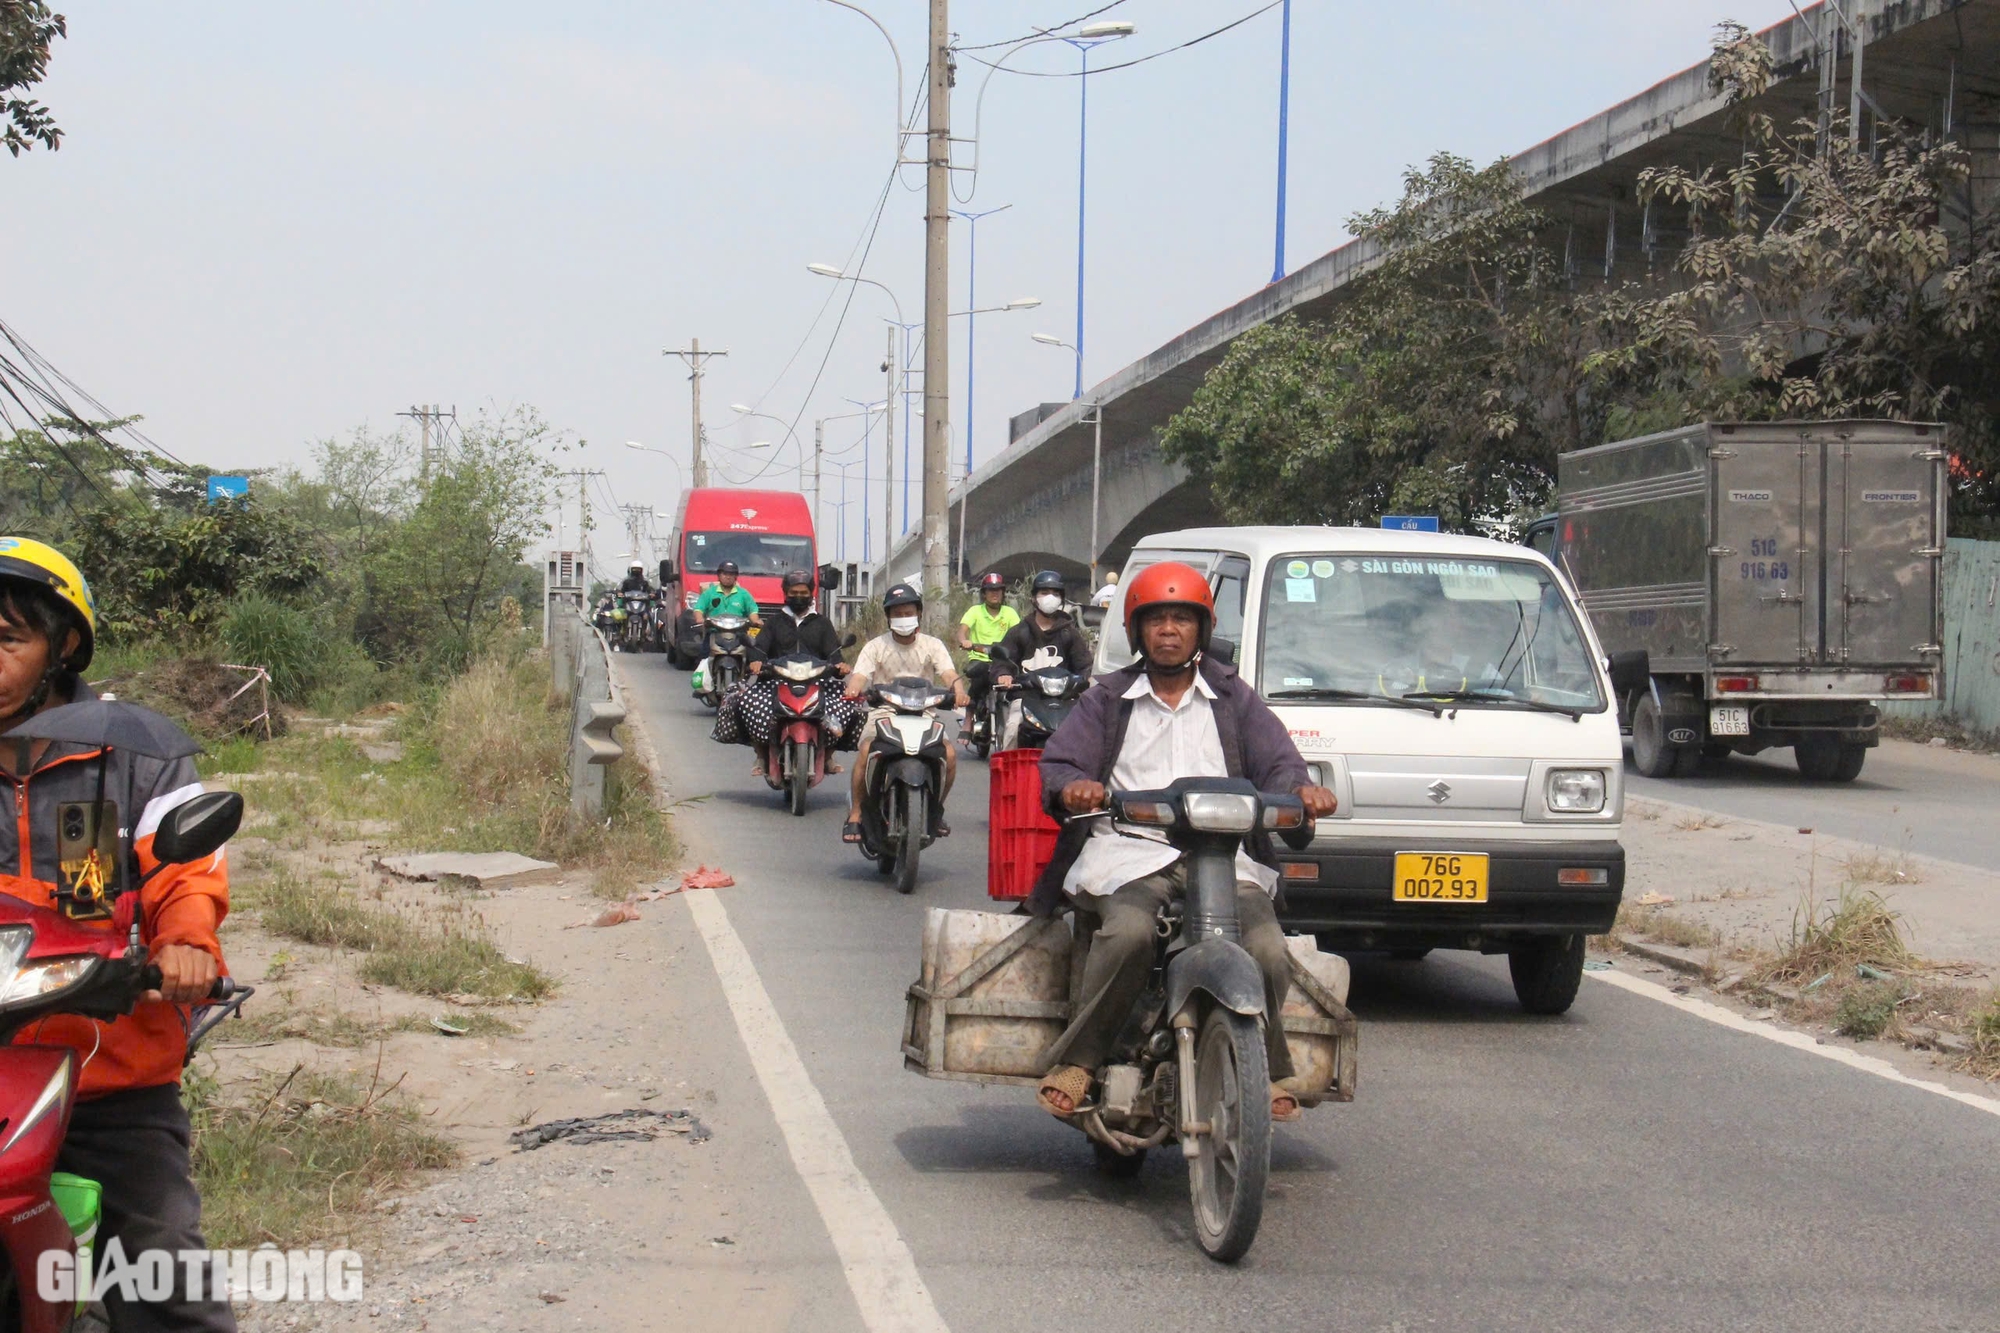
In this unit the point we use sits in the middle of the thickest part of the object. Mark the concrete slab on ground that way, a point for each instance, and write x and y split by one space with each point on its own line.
487 870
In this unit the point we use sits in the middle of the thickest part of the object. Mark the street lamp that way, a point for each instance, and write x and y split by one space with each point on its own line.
1050 340
1089 36
646 449
891 367
819 444
746 411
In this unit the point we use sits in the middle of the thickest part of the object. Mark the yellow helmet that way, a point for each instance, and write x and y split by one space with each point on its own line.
30 561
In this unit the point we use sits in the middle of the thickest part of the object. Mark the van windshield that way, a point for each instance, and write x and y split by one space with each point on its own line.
755 553
1484 633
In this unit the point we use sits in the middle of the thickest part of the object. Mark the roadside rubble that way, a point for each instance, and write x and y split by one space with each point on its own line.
639 1124
470 870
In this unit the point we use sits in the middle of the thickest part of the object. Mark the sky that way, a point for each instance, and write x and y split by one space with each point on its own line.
271 224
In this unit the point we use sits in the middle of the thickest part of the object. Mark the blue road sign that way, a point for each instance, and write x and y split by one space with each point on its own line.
231 488
1410 522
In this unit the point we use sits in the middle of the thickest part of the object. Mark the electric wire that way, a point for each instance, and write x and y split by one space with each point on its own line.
1106 69
1044 32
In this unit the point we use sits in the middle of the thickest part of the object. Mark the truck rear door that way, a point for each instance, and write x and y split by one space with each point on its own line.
1765 523
1883 546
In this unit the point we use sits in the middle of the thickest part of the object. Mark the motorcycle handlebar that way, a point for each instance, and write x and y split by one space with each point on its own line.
150 979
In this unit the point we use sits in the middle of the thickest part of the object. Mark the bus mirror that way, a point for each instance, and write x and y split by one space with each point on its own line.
829 578
666 571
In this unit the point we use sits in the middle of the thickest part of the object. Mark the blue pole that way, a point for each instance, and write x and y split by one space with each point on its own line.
1284 126
867 546
1082 133
971 328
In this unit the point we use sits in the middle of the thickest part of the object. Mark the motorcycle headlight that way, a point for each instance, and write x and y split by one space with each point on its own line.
1052 686
1576 791
44 977
1220 812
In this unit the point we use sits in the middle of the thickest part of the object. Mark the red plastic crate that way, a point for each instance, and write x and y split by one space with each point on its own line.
1022 838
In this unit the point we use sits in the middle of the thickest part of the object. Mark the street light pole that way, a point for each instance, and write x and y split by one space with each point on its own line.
972 311
937 313
1096 34
1284 117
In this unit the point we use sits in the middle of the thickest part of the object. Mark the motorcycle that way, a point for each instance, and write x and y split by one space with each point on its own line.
605 618
800 744
637 635
1047 696
1193 1066
728 643
58 966
903 795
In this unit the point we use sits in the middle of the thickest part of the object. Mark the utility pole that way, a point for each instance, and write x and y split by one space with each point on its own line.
428 419
694 356
583 477
637 518
937 329
889 364
819 447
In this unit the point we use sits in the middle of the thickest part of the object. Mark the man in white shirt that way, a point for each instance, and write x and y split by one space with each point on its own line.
1174 714
904 651
1108 591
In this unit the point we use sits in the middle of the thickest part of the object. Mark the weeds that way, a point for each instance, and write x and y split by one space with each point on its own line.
292 1162
1875 866
1866 1011
1695 823
476 1024
1666 927
1860 929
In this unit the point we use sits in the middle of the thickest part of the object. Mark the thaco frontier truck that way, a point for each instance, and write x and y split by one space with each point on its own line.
1758 586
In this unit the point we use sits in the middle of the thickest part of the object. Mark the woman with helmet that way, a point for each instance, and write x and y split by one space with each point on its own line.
984 625
1048 637
797 627
129 1130
904 651
1174 713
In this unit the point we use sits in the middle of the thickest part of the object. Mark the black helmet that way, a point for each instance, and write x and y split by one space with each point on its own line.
992 582
901 594
797 578
727 567
1049 581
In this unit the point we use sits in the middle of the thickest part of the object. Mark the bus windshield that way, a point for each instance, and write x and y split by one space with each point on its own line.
1484 633
755 553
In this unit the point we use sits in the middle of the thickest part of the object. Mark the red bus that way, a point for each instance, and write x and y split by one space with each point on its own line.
765 532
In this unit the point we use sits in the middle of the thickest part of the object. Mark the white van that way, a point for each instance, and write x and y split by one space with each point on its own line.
1452 694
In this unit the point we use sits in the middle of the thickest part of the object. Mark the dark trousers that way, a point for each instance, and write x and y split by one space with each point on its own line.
978 679
135 1144
1121 961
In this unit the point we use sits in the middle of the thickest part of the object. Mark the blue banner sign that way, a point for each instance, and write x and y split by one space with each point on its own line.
227 488
1410 522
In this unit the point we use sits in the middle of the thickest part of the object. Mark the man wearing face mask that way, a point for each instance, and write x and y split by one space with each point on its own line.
903 651
1048 637
796 628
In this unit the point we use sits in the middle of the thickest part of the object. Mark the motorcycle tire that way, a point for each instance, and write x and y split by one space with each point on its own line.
911 840
1232 1162
1116 1165
801 777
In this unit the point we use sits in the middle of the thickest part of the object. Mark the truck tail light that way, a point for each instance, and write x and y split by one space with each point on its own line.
1735 684
1301 870
1580 876
1907 684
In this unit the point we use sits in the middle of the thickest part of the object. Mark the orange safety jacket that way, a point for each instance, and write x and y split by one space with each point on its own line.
180 905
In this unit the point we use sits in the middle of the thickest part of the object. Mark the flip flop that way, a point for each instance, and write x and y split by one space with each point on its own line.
850 832
943 829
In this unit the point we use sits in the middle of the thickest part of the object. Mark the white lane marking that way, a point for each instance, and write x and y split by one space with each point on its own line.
1798 1041
881 1271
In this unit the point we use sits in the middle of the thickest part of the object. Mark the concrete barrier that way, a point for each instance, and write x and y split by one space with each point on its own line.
580 667
1971 639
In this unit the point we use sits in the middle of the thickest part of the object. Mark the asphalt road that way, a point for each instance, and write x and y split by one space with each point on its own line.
1624 1167
1909 797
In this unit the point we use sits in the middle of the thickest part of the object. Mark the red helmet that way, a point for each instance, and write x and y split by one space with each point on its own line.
1169 583
988 582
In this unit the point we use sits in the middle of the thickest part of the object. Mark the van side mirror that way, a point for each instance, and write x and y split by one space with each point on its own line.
1631 671
197 828
829 578
1222 650
666 571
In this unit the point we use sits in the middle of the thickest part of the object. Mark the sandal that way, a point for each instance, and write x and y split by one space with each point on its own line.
1069 1082
1285 1106
850 832
943 830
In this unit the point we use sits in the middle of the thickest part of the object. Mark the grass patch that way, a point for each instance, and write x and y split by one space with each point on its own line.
1875 866
1866 1011
238 754
476 1024
1695 823
1666 927
260 1025
294 1161
1860 929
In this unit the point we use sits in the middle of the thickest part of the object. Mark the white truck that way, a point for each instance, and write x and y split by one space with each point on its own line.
1451 694
1759 586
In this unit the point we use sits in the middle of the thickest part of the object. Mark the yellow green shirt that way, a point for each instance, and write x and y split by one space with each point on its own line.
988 627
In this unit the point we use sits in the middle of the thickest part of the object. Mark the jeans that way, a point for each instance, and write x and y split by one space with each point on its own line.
1121 961
135 1144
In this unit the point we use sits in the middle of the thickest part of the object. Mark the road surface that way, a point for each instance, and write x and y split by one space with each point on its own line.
1625 1167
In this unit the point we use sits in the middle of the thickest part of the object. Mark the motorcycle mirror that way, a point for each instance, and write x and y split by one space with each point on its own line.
198 827
849 641
829 578
1222 650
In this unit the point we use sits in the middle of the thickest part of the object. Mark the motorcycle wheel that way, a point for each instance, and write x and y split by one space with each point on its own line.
915 821
801 780
1115 1164
1232 1161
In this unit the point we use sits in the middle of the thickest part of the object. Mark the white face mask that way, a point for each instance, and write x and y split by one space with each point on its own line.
1049 603
903 625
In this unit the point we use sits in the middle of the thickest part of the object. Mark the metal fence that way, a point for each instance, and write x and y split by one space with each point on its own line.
581 664
1971 639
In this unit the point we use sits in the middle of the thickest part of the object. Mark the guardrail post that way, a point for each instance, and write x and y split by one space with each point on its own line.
594 714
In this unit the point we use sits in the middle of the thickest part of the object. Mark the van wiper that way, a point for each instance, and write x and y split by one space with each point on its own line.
1328 692
1498 697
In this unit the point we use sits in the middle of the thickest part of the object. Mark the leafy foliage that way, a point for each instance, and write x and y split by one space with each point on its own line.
27 29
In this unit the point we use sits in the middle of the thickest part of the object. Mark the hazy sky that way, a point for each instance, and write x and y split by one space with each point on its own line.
273 222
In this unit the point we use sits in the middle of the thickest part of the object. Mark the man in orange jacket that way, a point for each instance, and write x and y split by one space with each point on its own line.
129 1130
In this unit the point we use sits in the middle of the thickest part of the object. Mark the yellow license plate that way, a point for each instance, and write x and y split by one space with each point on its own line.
1440 877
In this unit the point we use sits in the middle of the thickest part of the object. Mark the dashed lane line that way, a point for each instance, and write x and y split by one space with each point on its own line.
881 1271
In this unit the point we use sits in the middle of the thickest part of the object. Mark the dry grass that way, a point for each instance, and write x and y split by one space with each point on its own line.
1697 821
1875 866
1667 927
1860 929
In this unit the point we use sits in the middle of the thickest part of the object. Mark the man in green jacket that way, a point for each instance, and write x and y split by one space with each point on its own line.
725 597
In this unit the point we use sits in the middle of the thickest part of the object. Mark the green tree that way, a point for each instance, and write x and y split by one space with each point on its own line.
27 29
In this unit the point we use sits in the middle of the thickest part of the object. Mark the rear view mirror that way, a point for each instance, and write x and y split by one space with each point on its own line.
666 571
1222 650
198 828
829 577
1631 671
849 641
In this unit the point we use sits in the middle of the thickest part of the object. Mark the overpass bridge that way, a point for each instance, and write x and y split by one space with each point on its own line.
1030 506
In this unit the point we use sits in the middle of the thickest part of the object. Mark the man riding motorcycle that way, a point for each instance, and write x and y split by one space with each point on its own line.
725 597
1048 637
635 579
983 626
129 1130
1174 713
797 628
903 651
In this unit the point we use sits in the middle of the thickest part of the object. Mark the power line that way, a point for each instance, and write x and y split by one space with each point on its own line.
1106 69
1043 32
